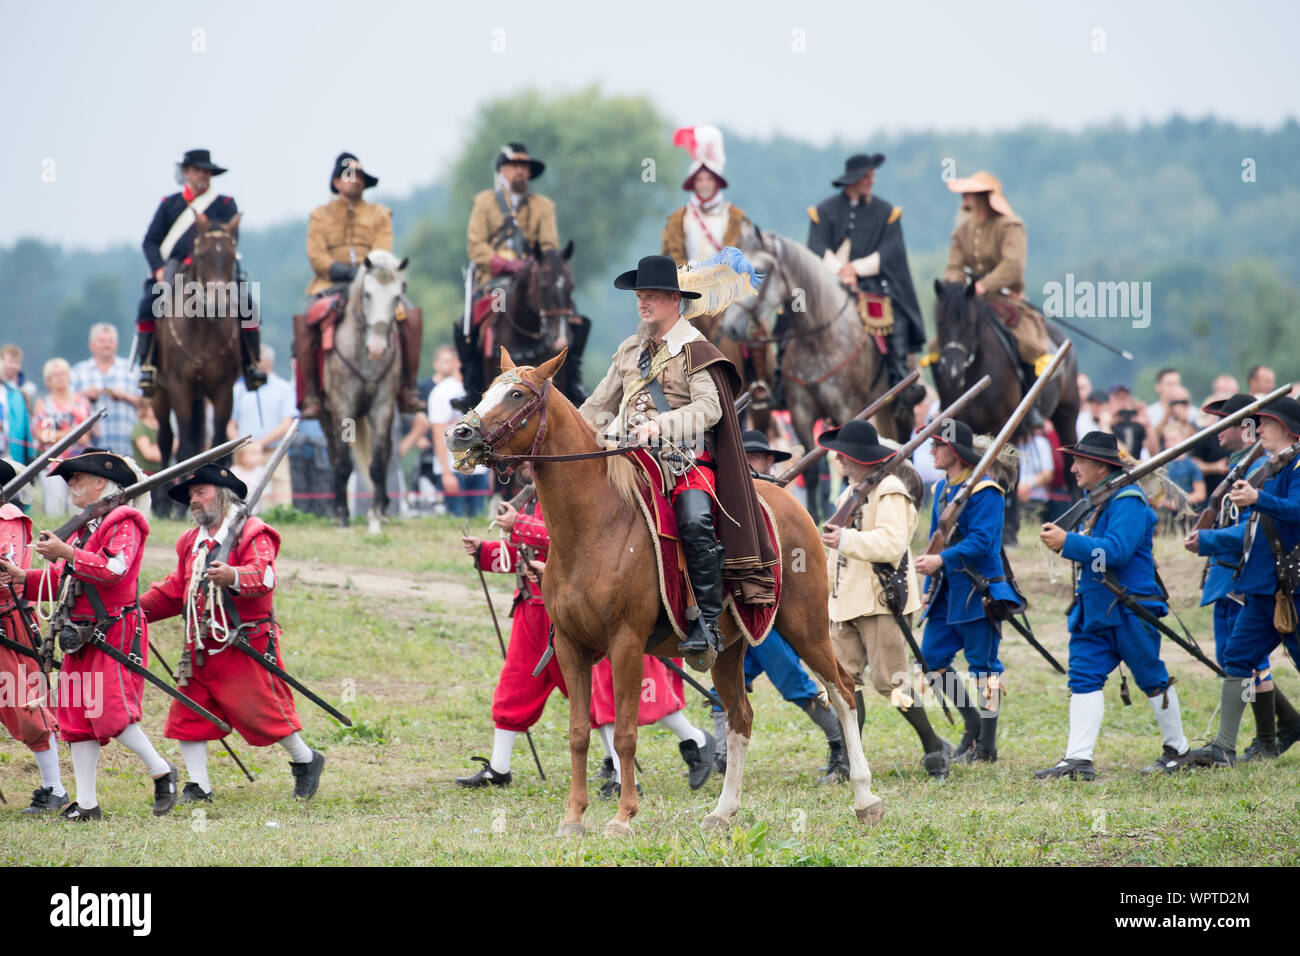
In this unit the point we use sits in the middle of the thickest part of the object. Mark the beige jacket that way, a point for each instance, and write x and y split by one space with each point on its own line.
882 531
621 402
535 217
337 231
996 249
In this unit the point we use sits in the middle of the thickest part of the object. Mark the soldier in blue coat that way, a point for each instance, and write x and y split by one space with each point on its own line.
1115 543
1274 523
168 244
1219 589
956 618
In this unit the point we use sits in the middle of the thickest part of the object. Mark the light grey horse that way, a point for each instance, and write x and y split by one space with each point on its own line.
360 381
830 366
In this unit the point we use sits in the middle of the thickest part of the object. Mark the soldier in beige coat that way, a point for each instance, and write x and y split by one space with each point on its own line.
865 632
991 242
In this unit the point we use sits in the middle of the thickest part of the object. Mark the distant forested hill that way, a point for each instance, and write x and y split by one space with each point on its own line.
1206 211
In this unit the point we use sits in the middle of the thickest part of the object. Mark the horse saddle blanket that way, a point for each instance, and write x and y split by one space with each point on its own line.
1021 326
754 620
325 312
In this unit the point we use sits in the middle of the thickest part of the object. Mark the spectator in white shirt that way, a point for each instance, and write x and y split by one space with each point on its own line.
465 495
266 414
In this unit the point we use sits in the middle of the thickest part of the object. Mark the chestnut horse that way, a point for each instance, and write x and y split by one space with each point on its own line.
600 586
199 348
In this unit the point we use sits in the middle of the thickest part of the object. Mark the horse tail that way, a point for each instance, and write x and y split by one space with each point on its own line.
361 447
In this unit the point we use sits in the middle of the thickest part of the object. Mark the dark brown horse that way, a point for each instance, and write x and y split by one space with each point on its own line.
599 587
972 343
199 344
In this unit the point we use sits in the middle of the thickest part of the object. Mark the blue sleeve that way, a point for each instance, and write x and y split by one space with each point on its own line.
1283 509
153 238
1125 522
1221 540
983 514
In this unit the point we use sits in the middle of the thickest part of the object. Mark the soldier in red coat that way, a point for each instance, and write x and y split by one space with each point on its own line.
227 682
98 698
22 687
520 697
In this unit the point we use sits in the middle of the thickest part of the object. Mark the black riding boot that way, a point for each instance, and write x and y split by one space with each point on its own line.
704 557
148 367
250 344
573 362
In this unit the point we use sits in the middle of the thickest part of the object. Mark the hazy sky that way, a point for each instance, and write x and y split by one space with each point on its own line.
105 97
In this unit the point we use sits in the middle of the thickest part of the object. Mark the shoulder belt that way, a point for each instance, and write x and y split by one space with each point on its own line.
509 230
895 215
814 215
184 221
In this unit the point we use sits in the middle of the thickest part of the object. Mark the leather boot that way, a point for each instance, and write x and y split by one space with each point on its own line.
704 557
304 352
148 367
412 335
577 392
250 345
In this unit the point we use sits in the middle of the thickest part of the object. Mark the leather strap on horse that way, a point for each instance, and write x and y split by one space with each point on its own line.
835 368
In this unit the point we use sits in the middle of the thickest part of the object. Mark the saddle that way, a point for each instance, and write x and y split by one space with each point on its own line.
755 621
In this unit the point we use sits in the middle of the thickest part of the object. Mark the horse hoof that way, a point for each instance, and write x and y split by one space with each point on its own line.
872 813
373 527
568 829
616 828
715 822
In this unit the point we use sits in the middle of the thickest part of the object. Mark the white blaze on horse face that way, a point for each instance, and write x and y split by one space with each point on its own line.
381 290
493 397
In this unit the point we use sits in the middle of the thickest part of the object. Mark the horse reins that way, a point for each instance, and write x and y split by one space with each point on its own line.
388 347
196 361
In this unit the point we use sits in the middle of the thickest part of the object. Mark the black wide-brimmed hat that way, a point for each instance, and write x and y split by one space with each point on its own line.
518 153
1286 412
98 462
201 159
857 166
1226 406
208 474
857 440
654 272
1097 446
346 160
756 441
962 440
7 471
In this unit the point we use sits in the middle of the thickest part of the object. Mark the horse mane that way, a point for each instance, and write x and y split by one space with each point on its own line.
622 475
803 269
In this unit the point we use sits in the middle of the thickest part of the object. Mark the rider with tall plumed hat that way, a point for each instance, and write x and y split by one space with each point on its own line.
708 223
859 237
96 578
669 386
340 234
168 244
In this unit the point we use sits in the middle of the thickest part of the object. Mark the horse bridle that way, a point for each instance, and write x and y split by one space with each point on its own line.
957 345
543 314
512 424
751 310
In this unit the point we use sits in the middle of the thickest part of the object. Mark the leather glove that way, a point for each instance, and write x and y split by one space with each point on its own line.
342 272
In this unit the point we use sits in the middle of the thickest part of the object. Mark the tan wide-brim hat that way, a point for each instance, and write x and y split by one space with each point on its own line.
984 182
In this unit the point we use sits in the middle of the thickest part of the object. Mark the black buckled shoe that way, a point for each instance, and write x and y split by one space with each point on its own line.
147 384
975 754
937 763
1258 750
193 793
164 791
837 764
699 760
487 777
612 788
1169 761
606 769
44 801
306 776
1211 756
74 813
1074 769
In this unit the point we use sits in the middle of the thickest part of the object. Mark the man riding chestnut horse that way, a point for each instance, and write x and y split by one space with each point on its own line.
672 388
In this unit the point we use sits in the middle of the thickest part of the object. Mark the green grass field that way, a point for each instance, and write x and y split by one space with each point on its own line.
394 631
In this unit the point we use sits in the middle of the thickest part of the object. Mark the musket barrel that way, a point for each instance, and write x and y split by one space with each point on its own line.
38 464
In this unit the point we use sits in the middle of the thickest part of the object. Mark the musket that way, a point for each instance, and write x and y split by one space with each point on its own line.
709 695
1130 602
136 666
1209 517
1099 496
267 660
817 454
97 509
844 512
29 474
245 510
224 743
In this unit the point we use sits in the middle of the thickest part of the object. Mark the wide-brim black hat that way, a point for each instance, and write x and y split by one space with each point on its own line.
756 441
857 166
857 440
1097 446
98 462
7 472
654 272
208 474
518 153
345 160
201 159
1286 412
1226 406
959 437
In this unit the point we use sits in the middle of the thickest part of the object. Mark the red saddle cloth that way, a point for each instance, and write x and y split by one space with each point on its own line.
754 620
